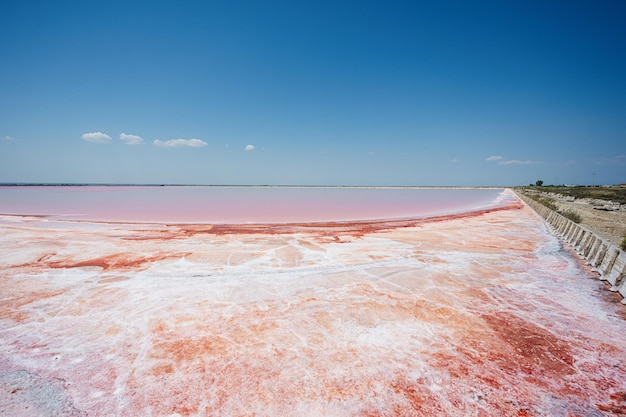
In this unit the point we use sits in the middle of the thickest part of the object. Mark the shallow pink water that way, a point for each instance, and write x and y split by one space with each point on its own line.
473 314
240 204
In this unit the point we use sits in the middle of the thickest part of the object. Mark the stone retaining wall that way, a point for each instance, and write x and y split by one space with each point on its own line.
605 258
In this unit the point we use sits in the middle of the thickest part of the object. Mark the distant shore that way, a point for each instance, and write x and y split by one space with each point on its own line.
33 184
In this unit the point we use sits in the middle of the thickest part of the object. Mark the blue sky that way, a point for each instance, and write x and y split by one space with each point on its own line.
330 93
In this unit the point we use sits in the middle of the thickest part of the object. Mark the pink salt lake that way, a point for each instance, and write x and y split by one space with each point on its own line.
197 204
120 302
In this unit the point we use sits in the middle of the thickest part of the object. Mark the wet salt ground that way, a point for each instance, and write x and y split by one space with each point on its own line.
481 314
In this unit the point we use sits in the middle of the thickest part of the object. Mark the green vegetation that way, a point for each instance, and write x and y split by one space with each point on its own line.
572 215
539 183
623 244
615 194
546 201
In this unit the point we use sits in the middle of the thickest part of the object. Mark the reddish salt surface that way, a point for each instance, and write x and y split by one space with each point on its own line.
475 314
239 204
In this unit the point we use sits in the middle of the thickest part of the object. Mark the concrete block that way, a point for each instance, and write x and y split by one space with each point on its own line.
589 246
580 246
566 228
572 233
617 271
580 240
556 222
569 230
597 259
585 245
607 263
594 250
575 235
572 228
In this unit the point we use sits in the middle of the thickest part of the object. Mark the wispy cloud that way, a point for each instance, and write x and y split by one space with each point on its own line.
502 161
8 138
175 143
250 148
494 158
96 137
516 162
454 160
131 139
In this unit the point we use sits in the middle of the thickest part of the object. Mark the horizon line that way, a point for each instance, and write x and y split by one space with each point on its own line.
96 184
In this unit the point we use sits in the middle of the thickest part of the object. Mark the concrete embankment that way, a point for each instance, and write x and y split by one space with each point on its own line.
606 259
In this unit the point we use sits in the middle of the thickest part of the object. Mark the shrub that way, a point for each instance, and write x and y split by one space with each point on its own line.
572 215
623 244
548 202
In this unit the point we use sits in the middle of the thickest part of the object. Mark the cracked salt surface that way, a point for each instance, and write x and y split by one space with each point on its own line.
478 313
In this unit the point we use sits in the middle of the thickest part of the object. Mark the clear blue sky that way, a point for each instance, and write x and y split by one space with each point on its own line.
321 92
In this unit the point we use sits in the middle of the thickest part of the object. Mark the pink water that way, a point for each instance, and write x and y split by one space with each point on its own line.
240 204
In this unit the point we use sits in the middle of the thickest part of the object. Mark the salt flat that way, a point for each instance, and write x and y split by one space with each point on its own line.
475 314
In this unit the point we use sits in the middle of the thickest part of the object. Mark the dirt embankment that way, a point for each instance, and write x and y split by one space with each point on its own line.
606 218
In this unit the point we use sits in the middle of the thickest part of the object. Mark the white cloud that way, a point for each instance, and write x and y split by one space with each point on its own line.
7 138
494 158
96 137
174 143
455 160
516 162
131 139
250 148
501 161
